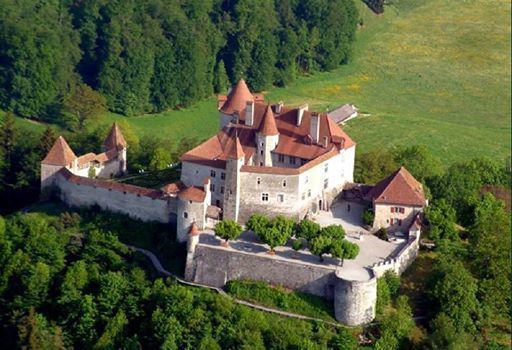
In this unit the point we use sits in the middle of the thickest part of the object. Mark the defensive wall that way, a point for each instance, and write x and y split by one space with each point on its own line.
137 202
353 293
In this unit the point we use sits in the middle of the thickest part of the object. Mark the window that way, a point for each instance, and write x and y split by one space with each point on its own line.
402 210
280 158
326 183
280 198
212 187
292 160
258 181
223 176
303 195
284 183
222 189
326 167
307 179
264 197
213 173
392 209
261 163
262 144
303 161
309 193
400 222
185 214
261 152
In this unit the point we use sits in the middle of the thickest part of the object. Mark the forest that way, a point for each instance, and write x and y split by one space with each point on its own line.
143 56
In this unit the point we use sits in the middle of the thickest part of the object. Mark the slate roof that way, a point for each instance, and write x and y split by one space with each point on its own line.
341 113
60 153
398 188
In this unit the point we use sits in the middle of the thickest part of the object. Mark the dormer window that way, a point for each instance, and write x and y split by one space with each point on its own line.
292 160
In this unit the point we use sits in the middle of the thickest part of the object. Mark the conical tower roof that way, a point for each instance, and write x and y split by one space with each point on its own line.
115 138
236 151
268 124
60 153
237 98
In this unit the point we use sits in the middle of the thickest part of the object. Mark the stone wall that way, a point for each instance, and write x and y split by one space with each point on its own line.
354 298
401 260
136 206
215 266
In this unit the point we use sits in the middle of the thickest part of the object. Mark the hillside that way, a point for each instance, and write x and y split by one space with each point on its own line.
427 72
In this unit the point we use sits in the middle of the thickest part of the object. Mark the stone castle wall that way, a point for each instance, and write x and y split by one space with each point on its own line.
401 260
136 206
354 300
215 266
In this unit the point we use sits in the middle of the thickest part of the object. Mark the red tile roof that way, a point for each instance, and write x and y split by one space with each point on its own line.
398 188
237 98
115 138
268 125
294 140
110 185
104 157
60 153
173 188
192 193
235 151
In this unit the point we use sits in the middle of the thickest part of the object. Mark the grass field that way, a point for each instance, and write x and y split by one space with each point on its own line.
278 297
430 72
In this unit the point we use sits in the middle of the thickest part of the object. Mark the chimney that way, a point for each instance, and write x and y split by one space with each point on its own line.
300 112
315 127
279 106
249 113
326 142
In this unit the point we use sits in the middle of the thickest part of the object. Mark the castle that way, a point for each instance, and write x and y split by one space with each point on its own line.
265 158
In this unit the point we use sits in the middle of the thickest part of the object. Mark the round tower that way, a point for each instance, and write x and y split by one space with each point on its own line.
355 296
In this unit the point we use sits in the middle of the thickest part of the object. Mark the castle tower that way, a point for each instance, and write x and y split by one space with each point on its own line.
267 138
235 160
115 140
235 102
193 239
60 156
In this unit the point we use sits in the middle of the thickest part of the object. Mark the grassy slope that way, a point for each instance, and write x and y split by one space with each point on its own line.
436 73
432 72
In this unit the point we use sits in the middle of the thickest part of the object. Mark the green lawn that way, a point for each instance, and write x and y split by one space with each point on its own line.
430 72
280 298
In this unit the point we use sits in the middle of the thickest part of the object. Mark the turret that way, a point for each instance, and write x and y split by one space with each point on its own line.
236 102
116 141
235 158
60 156
267 138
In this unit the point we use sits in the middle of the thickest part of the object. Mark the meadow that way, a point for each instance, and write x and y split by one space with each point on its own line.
426 72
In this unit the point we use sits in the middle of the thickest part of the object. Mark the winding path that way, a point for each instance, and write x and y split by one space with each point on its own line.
158 266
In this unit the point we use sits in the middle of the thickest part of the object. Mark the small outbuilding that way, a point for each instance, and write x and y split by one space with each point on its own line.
343 113
396 201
